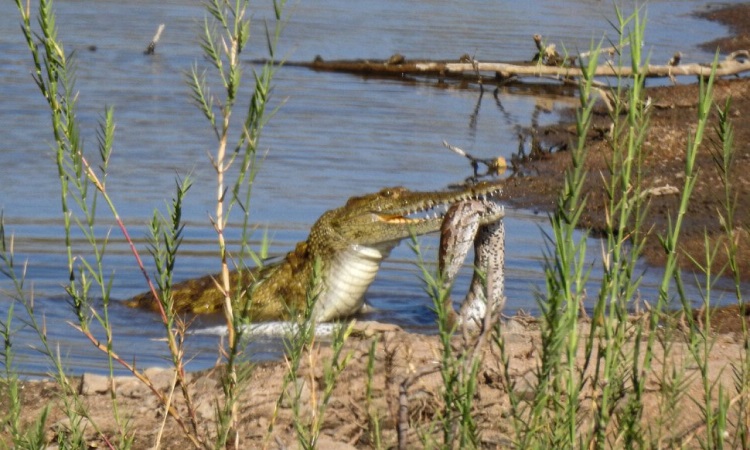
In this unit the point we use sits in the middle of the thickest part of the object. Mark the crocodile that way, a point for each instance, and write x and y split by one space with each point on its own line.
344 249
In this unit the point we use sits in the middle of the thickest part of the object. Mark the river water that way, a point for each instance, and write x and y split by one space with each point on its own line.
334 136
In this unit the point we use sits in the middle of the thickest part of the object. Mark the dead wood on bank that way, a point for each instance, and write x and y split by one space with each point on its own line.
546 63
734 64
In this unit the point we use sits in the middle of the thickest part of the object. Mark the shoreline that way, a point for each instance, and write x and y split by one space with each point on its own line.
398 355
674 112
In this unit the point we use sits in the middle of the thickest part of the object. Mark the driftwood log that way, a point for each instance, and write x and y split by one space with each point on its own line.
545 63
734 64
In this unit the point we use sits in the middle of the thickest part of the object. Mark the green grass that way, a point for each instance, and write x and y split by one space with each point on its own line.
83 186
593 383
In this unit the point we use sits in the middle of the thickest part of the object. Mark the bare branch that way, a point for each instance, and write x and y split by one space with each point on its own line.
552 66
151 49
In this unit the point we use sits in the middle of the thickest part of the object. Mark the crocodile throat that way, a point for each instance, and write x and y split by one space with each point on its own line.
346 245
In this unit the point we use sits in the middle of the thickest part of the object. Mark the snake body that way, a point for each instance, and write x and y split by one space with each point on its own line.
461 228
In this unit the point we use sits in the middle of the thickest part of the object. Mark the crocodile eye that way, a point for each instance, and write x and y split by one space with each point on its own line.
392 191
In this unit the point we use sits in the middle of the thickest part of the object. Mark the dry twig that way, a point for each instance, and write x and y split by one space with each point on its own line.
494 165
403 403
151 49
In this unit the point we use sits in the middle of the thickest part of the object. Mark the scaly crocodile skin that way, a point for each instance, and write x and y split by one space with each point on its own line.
347 244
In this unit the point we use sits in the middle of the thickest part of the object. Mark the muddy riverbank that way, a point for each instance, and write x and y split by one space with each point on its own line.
673 117
399 355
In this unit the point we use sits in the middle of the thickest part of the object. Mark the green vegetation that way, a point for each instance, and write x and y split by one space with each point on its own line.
226 31
590 384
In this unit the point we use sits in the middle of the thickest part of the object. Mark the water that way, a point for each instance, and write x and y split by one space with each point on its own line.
335 136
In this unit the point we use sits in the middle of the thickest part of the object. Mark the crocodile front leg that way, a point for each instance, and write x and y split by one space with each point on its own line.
460 228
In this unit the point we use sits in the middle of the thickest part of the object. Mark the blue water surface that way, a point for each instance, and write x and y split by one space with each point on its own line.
333 136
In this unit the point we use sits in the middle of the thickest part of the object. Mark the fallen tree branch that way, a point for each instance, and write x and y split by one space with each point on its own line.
546 63
734 64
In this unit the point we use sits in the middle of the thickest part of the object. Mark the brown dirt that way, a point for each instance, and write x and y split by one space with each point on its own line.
538 179
399 355
671 122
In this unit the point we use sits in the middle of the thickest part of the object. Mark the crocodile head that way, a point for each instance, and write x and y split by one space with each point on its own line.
351 241
384 218
348 243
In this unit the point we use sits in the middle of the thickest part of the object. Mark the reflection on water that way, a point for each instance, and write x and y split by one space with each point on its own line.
335 136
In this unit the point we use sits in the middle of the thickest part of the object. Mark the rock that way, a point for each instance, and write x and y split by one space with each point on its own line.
93 384
64 427
131 387
369 328
160 377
